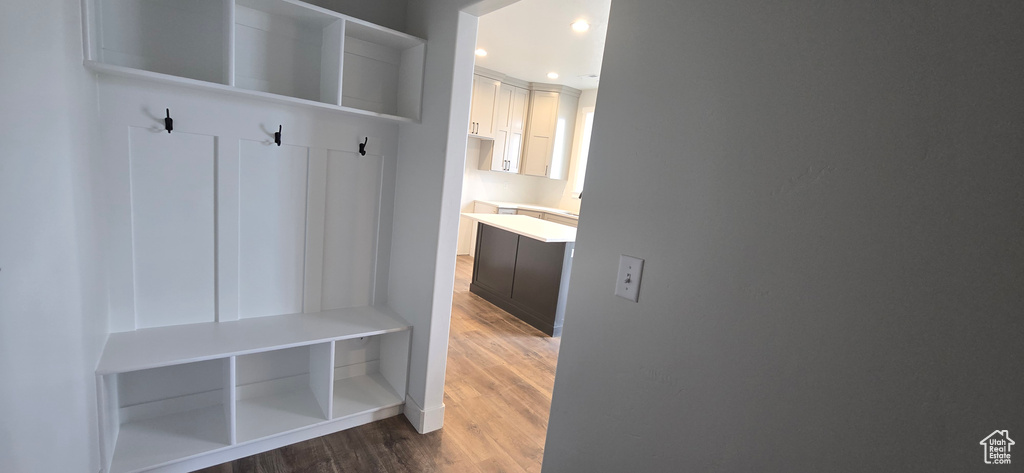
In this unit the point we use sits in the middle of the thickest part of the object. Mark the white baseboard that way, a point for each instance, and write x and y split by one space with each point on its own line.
424 420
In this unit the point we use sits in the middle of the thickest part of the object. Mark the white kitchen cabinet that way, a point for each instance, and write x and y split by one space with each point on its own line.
572 222
483 112
552 119
482 208
530 213
509 132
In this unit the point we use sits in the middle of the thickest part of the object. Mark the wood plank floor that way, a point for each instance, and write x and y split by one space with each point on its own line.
497 397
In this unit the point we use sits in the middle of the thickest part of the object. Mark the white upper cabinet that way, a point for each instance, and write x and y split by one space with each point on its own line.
483 113
280 50
508 135
552 119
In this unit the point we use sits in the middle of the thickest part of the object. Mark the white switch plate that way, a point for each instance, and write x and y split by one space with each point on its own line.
627 286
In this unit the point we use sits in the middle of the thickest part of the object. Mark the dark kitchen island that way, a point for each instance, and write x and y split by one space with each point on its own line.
522 265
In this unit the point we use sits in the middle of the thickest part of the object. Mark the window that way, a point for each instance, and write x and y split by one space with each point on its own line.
581 159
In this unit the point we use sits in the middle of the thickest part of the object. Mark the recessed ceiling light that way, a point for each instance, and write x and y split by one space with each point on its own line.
552 75
580 26
481 52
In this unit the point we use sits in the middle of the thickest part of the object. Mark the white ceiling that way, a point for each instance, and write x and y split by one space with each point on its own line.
531 38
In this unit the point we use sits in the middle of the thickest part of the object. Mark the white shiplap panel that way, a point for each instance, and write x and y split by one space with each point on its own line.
350 229
172 189
272 228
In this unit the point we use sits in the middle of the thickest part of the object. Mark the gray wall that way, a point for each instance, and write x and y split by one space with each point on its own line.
830 200
52 295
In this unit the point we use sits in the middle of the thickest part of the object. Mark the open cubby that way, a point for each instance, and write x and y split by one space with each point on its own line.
369 373
282 390
382 71
158 415
186 38
281 50
286 49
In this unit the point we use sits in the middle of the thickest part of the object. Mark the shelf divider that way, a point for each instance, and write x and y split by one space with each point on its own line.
321 375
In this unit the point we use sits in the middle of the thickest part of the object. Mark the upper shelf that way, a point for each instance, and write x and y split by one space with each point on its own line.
165 346
270 49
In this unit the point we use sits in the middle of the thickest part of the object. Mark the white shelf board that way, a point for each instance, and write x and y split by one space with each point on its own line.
165 346
203 85
149 443
361 394
275 414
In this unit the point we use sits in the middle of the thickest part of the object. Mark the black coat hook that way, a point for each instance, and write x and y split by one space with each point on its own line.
277 135
168 122
362 146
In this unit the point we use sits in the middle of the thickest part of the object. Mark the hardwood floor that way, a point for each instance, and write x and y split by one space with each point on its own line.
497 397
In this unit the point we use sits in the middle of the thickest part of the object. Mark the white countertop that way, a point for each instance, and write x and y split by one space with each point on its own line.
538 208
527 226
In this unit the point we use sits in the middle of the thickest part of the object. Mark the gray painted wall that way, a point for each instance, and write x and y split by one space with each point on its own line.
829 197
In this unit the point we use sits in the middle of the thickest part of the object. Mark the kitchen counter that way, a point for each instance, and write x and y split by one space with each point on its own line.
536 208
535 228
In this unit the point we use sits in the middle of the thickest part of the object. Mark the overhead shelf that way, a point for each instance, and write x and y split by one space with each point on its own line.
283 49
164 346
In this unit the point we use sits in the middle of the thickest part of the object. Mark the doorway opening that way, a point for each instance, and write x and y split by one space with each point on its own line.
534 94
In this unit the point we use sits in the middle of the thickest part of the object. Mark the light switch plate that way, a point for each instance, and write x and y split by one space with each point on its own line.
627 284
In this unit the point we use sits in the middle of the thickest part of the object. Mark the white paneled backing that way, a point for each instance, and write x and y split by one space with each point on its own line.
350 229
279 54
172 193
356 351
179 37
156 384
134 120
370 76
272 228
270 365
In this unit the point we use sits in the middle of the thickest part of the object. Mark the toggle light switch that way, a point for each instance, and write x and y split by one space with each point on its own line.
627 285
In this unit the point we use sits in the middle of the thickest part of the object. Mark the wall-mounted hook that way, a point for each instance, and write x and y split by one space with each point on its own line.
277 135
362 146
168 122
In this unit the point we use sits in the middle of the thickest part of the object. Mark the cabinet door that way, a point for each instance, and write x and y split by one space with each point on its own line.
530 213
541 137
538 273
485 101
517 129
503 116
495 260
561 220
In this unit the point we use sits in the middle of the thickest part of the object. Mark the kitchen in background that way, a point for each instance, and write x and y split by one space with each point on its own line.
532 43
534 95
